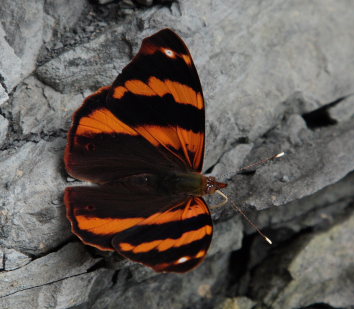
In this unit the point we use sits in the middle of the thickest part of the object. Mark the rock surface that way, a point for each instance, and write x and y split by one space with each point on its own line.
277 76
315 268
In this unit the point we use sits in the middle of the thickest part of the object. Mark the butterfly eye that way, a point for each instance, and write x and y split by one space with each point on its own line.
169 53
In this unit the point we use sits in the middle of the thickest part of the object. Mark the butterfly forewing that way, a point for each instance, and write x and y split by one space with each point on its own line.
156 99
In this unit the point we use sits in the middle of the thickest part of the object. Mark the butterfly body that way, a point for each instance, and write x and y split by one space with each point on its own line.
173 184
141 142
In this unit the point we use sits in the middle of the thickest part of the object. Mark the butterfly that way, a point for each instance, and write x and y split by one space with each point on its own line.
140 142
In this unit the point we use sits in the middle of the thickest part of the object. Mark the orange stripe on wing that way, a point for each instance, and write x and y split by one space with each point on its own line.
102 121
191 143
181 93
139 87
157 135
200 254
158 86
105 226
187 59
119 92
178 138
165 244
192 208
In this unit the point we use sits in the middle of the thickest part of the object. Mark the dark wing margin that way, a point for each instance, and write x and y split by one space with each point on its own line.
166 235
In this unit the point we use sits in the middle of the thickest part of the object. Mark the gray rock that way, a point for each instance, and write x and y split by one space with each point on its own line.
65 12
21 39
71 260
59 280
318 209
315 269
66 293
30 222
179 291
236 303
10 67
316 163
227 237
14 259
91 65
39 109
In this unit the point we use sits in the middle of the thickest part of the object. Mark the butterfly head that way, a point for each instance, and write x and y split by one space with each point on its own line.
210 185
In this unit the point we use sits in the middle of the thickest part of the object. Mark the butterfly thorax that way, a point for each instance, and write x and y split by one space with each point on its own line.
175 183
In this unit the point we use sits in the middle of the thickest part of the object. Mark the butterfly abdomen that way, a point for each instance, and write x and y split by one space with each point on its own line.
175 183
166 183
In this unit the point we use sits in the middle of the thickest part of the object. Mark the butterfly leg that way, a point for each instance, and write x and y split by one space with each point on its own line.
221 203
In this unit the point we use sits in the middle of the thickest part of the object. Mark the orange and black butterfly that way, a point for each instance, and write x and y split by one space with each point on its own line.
141 141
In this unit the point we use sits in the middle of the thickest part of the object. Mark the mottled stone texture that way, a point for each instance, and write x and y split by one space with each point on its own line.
277 76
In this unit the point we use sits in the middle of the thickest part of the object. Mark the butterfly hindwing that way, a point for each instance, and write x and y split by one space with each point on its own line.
97 213
163 233
151 118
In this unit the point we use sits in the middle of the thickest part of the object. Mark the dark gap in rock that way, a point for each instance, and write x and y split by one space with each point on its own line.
282 237
146 3
320 306
115 277
243 140
3 84
72 238
19 140
320 117
247 172
97 253
98 265
210 169
244 262
2 113
239 260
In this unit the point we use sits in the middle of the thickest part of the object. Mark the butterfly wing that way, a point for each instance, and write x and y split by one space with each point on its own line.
163 233
152 117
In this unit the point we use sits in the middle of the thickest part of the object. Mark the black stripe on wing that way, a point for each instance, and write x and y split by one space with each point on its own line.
137 110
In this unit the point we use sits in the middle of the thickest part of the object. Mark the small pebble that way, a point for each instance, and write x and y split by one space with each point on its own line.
284 179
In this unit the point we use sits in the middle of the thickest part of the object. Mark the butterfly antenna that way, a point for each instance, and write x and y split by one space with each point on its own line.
261 162
234 206
255 164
